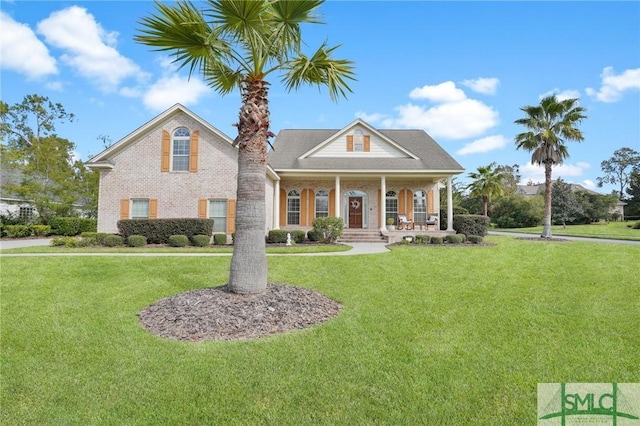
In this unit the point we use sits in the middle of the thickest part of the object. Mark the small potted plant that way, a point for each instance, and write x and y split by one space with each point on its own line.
390 224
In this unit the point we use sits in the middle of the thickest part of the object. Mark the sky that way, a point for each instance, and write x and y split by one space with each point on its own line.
461 71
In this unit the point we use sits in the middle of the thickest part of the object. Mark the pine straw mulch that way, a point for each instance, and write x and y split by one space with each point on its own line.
218 314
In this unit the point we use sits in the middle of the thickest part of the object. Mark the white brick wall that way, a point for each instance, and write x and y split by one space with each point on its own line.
136 174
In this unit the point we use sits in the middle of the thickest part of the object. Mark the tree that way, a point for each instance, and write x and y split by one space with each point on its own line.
618 168
565 207
633 195
237 44
41 164
550 124
514 210
511 176
487 183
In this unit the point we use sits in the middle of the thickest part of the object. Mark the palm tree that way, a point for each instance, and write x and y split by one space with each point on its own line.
487 183
237 44
550 124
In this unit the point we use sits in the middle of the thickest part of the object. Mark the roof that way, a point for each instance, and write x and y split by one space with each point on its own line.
291 147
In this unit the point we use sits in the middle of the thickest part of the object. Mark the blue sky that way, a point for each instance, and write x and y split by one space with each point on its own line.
459 70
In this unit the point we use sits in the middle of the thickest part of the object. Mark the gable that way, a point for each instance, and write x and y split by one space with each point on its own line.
358 141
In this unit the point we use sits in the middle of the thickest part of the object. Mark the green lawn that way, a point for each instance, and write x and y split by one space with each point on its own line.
613 230
428 335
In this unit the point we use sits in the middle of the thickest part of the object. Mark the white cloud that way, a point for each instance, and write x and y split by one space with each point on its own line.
589 184
89 48
443 92
485 144
487 86
535 173
173 89
613 86
370 118
561 95
454 120
22 51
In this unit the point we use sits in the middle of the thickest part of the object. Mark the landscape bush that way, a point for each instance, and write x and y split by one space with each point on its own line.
471 224
437 240
636 225
68 242
178 240
112 240
71 226
158 231
279 236
314 235
328 229
41 230
422 239
95 238
201 240
18 231
137 240
455 238
475 239
219 239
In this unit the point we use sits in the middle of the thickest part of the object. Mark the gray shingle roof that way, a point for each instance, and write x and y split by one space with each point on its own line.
291 144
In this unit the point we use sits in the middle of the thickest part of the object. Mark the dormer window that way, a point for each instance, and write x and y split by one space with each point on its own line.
358 142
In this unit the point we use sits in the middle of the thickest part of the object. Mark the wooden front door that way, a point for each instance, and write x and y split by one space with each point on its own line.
355 212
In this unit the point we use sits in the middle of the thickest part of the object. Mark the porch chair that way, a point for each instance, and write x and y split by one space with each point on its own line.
405 223
432 220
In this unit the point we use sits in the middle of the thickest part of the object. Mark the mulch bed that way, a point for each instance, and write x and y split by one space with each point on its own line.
218 314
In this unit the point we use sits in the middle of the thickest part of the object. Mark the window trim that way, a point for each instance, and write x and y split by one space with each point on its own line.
180 138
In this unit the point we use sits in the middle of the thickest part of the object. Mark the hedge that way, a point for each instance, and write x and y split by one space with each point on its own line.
280 236
158 231
471 224
70 226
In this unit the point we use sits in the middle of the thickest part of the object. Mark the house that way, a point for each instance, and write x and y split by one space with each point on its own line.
178 165
531 190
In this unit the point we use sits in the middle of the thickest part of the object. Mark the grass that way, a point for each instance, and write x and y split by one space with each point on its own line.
293 249
611 230
428 335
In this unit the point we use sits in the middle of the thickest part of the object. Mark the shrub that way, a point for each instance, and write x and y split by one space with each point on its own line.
475 239
277 236
158 231
471 224
96 238
70 226
113 240
422 239
298 236
137 240
18 231
314 235
201 240
65 242
636 225
83 242
41 230
178 240
437 240
219 239
455 239
330 228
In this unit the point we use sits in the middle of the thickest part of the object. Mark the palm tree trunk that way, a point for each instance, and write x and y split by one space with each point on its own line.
248 271
546 228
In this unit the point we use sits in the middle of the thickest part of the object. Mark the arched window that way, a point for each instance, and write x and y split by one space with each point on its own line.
322 203
391 203
180 151
419 206
293 207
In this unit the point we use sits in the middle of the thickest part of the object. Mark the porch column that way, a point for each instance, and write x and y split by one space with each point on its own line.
449 205
276 205
383 203
338 197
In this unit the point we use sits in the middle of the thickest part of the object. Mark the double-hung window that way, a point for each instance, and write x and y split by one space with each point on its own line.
419 206
139 209
391 206
322 203
180 152
293 207
218 212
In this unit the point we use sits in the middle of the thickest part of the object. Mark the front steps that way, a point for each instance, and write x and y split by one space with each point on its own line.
362 236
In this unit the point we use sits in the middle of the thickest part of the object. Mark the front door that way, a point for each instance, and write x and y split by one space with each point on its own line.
355 212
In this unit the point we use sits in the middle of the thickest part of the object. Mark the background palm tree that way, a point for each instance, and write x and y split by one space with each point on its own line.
487 183
237 44
550 124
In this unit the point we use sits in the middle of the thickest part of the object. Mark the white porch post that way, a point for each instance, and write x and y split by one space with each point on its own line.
383 204
276 205
449 205
337 197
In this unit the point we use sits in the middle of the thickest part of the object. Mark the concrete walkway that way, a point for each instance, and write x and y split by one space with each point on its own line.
357 248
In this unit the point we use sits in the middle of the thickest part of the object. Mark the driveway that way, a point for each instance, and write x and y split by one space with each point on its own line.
27 242
590 240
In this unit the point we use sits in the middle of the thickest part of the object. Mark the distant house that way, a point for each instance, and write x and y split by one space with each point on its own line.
538 189
178 165
11 204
